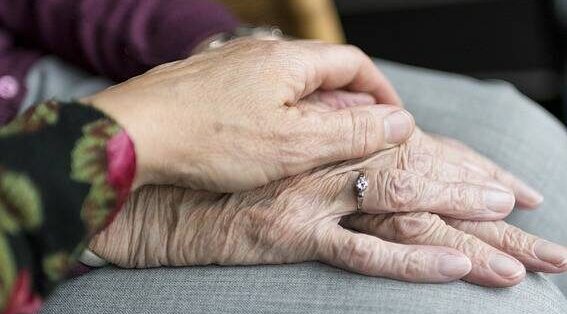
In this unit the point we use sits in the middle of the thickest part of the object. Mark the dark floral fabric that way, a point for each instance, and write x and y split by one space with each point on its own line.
54 195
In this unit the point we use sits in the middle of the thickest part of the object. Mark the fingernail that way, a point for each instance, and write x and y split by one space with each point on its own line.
505 266
454 266
529 195
499 201
551 253
398 126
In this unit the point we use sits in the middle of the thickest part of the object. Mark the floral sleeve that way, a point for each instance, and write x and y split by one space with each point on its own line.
65 170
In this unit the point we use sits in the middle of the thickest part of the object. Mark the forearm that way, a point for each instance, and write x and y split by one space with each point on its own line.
64 173
118 39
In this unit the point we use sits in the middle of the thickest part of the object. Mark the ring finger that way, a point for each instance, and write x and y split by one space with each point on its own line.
394 190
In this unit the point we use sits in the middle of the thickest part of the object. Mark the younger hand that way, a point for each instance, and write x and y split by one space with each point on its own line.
235 118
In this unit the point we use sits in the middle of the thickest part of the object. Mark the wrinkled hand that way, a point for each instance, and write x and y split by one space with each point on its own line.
235 118
497 250
438 175
297 219
436 157
446 160
290 221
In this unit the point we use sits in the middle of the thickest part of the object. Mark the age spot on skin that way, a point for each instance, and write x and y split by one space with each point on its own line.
218 127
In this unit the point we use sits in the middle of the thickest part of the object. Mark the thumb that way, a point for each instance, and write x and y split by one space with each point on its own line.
319 138
359 131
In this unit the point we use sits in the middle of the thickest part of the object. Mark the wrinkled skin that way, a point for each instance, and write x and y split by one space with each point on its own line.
196 122
301 218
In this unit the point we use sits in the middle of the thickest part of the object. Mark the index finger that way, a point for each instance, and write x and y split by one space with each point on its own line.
345 67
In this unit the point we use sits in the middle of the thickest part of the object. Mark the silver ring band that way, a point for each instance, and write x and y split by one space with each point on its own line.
360 186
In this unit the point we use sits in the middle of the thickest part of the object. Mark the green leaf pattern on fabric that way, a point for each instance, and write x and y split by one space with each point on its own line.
20 203
89 166
56 265
34 119
7 269
23 206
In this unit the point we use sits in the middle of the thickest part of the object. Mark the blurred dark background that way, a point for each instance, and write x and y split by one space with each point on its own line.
520 41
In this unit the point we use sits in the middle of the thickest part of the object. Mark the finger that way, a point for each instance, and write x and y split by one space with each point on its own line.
337 99
349 133
526 196
433 168
371 256
403 191
490 267
537 254
345 67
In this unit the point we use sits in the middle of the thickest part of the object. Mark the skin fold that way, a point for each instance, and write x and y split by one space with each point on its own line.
424 219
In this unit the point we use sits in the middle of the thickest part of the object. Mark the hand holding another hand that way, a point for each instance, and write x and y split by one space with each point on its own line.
237 117
307 217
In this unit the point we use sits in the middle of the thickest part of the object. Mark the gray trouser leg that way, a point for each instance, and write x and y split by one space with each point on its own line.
491 117
301 288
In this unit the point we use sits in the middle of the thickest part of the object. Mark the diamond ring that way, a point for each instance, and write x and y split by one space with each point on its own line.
360 186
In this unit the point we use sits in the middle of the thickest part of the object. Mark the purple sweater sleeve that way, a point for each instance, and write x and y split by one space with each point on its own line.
117 39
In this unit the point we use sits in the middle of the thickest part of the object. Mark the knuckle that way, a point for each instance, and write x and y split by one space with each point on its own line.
422 164
358 254
400 191
513 239
413 227
363 129
412 264
469 244
463 197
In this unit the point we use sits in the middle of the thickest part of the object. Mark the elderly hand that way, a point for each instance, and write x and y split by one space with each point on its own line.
296 219
497 250
447 160
289 221
434 156
235 118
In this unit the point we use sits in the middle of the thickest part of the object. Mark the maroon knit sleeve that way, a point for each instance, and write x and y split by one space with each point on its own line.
117 39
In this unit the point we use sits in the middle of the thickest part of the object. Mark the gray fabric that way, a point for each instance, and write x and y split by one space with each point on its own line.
305 288
492 117
50 78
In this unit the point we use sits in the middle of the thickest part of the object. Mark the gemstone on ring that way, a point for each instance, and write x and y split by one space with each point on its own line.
361 184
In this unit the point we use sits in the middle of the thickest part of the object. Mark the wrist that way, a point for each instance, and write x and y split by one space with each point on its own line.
125 167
